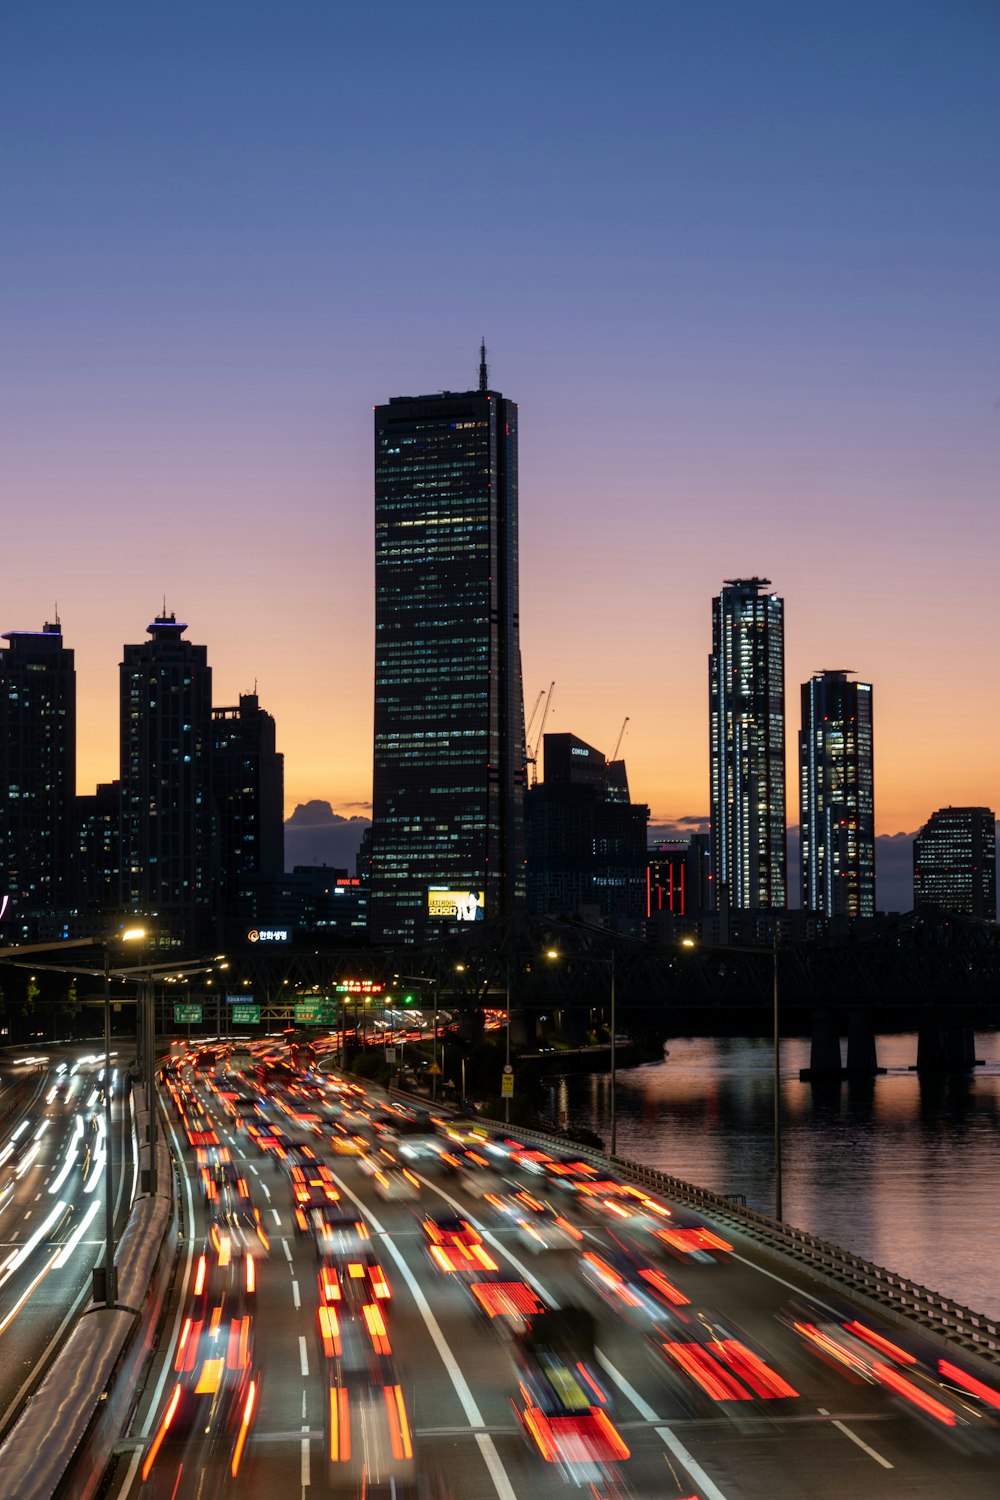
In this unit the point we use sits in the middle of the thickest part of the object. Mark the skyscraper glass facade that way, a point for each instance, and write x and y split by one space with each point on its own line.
449 761
837 797
955 862
746 673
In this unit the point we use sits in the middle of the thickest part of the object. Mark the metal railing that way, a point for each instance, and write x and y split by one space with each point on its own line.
971 1331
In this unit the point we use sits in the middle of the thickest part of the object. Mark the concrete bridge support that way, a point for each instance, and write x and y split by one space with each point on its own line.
862 1057
824 1055
945 1046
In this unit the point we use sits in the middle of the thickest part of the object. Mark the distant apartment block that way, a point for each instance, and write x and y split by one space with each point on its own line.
954 862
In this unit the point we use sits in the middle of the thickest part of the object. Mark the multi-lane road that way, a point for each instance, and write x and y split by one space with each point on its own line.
52 1201
709 1384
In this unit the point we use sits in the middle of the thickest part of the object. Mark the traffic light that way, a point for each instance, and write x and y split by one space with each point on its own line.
408 999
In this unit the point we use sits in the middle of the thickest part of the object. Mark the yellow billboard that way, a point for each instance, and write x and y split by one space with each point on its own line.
456 906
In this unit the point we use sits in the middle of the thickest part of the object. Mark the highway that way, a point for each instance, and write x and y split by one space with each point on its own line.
52 1197
744 1403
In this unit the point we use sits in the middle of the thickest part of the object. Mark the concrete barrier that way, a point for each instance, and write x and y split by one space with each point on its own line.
61 1443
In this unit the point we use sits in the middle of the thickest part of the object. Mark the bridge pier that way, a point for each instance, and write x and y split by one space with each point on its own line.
945 1046
824 1054
862 1056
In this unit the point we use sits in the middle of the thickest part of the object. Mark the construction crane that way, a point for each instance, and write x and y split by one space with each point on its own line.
618 745
533 752
531 721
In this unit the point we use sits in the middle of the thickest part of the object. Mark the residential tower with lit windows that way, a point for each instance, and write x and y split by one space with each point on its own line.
746 673
837 797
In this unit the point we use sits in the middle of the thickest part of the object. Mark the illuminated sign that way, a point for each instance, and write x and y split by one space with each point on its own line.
319 1012
244 999
186 1014
4 903
359 987
579 750
268 935
246 1015
456 906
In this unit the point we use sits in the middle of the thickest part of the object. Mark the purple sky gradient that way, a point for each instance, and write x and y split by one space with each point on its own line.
739 265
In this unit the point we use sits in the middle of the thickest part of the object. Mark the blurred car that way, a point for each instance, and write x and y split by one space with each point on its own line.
634 1290
215 1385
934 1389
396 1185
563 1405
508 1306
537 1225
236 1225
712 1363
337 1232
455 1245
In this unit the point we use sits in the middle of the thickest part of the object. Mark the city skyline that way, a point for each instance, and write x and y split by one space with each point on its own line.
771 278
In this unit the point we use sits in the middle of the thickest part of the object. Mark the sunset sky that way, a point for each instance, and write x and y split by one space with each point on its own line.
739 265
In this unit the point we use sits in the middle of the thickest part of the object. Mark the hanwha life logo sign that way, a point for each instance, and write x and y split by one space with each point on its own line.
253 936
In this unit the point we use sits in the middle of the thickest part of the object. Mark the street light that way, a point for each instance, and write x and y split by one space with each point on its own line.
506 1097
776 1047
105 1286
611 964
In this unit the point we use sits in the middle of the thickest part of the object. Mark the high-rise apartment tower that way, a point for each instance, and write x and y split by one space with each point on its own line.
166 800
37 770
449 763
746 673
837 797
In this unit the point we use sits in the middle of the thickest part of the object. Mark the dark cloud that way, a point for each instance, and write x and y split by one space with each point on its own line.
316 835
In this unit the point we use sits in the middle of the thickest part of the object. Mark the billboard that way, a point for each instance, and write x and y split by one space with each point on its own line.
456 906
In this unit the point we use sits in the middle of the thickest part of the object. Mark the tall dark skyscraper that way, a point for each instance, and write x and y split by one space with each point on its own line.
837 797
746 673
955 861
248 785
37 770
449 765
166 801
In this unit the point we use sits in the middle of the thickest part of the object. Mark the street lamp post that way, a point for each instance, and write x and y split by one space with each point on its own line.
506 1098
777 1085
614 1060
110 1280
611 964
434 1043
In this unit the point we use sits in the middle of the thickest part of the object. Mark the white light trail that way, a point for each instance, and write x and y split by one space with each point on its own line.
69 1161
78 1234
95 1171
17 1257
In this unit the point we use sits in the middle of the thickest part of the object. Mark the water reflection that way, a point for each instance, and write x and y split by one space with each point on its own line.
900 1168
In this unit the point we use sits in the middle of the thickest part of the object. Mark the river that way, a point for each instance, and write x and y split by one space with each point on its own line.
902 1170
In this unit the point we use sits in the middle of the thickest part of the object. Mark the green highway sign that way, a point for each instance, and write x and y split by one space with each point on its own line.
315 1013
187 1013
246 1015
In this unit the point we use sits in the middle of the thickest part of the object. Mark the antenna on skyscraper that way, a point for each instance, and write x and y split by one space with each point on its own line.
483 372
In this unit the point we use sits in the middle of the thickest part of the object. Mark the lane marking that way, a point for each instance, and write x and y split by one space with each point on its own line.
708 1486
463 1212
303 1355
284 1246
487 1448
277 1217
305 1460
798 1290
297 1300
842 1427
